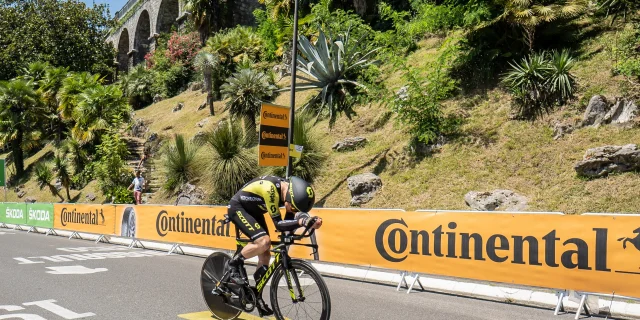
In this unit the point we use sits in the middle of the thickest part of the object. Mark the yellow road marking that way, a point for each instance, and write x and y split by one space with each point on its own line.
208 316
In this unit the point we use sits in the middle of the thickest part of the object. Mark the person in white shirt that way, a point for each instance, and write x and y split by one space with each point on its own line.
138 184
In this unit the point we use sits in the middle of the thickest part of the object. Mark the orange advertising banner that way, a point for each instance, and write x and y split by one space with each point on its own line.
91 218
195 225
590 253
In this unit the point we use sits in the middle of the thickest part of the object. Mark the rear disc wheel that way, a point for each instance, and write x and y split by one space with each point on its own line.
212 271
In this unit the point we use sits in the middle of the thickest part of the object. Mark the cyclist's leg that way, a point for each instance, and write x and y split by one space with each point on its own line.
257 232
264 257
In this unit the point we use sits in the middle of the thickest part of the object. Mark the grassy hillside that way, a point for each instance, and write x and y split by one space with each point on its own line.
491 151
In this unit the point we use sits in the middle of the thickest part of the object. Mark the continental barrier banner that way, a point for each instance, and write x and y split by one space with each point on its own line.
13 213
590 253
40 215
98 219
196 225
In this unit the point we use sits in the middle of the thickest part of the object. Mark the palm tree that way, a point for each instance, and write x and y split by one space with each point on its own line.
20 110
98 108
136 85
44 175
74 147
233 165
530 14
205 15
62 172
50 86
180 163
308 166
246 90
72 86
210 66
34 72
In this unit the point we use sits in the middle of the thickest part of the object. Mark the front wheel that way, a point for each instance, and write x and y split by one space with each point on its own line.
312 300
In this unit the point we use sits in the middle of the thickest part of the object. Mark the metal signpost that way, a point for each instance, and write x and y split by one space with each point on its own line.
294 62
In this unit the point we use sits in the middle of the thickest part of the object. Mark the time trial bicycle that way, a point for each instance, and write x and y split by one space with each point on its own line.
297 290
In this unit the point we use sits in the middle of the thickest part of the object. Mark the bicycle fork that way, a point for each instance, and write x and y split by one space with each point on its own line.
292 279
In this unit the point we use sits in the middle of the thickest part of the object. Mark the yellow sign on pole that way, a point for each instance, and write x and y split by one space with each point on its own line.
273 150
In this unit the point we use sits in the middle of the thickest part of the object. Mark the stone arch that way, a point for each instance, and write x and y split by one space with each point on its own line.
143 33
123 50
168 12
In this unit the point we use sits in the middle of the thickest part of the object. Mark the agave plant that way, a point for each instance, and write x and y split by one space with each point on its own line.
539 80
561 80
310 163
331 66
180 163
233 165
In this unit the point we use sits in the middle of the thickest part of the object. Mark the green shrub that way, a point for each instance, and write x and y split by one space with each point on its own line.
232 165
137 86
421 109
110 169
309 165
180 163
626 54
235 44
121 195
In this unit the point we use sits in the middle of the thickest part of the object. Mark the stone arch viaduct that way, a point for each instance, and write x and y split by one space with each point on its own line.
142 21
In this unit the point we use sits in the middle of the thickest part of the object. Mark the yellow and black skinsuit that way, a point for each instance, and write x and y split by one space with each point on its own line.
259 196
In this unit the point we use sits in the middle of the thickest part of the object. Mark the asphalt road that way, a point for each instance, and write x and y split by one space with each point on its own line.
43 277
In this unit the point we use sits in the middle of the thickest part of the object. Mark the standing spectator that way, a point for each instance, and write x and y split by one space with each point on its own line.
138 184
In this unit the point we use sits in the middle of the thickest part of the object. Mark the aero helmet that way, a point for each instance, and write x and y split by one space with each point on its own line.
301 195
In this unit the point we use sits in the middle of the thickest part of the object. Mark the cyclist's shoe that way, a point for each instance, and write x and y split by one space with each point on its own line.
235 274
263 308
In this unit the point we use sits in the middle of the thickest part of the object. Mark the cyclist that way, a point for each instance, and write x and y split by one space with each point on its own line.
247 208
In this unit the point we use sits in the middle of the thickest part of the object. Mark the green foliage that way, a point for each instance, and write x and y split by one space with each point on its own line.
44 175
20 113
236 44
531 14
626 54
99 109
618 8
137 86
72 86
110 169
246 90
421 109
309 165
63 33
233 165
539 81
270 33
121 195
180 163
333 66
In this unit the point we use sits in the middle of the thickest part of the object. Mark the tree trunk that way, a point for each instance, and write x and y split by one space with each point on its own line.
209 88
68 195
60 128
530 33
18 156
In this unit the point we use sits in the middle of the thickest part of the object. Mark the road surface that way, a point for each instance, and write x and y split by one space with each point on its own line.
52 277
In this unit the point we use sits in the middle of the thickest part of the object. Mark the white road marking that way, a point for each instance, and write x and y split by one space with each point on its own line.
74 270
90 256
50 306
23 316
93 249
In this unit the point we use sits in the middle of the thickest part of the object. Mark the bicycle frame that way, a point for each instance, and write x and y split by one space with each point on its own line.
281 258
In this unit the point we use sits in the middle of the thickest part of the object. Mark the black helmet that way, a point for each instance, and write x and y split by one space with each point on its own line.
300 194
